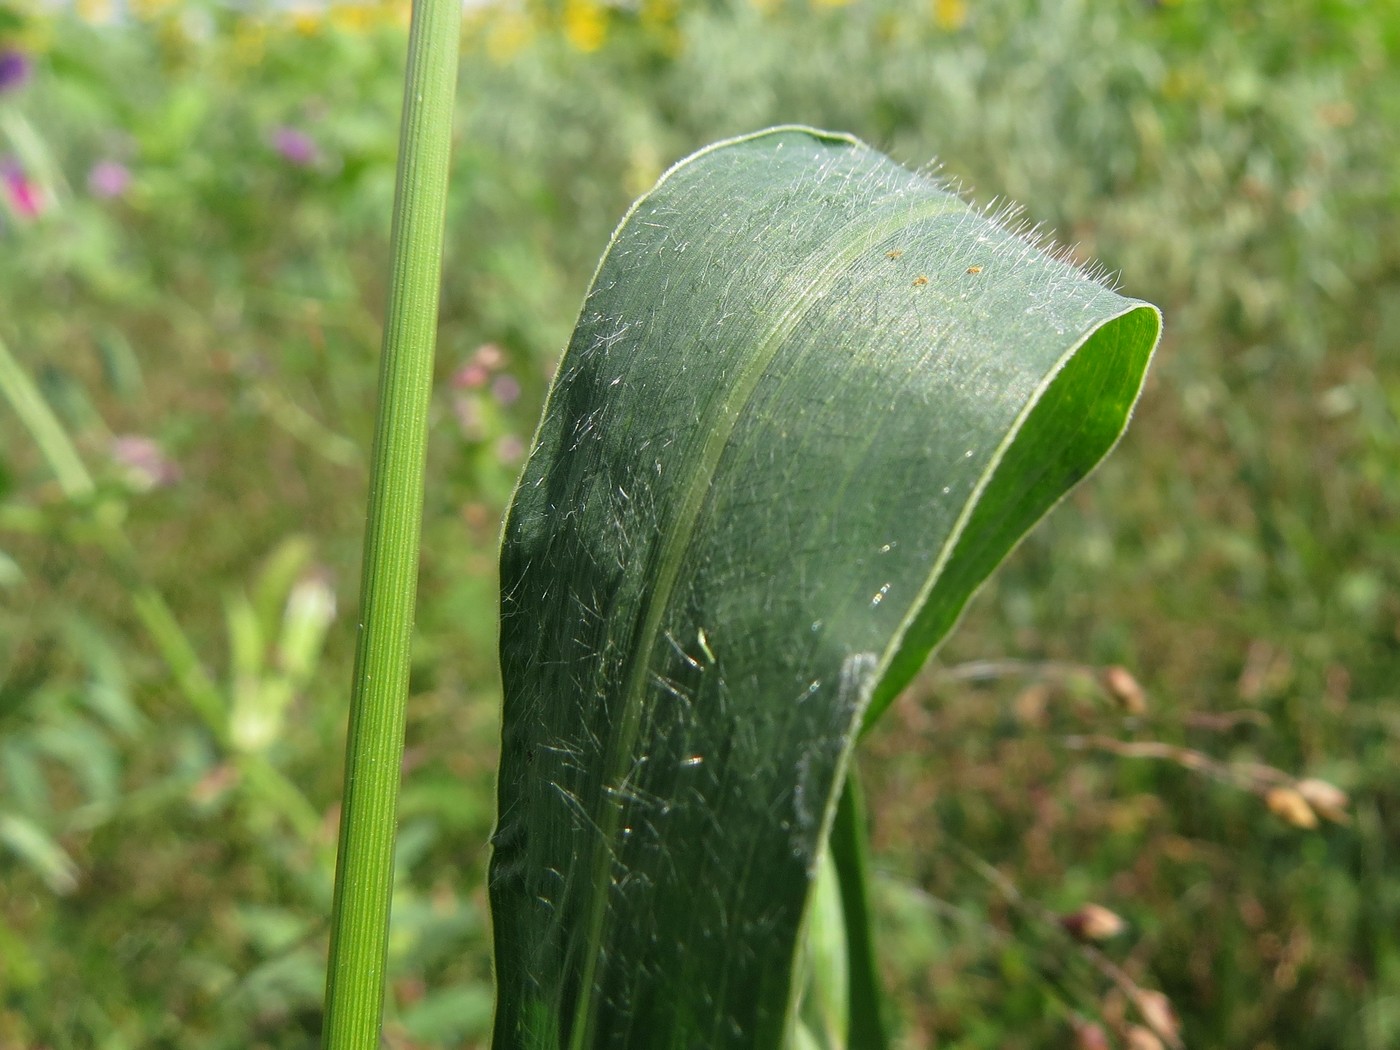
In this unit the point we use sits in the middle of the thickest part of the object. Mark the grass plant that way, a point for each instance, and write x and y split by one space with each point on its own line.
195 295
389 584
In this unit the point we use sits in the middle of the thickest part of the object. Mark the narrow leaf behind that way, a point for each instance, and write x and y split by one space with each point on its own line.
811 401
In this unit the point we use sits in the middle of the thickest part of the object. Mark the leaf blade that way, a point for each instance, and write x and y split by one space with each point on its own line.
687 657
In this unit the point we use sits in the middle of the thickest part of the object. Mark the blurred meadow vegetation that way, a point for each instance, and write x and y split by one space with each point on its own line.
194 204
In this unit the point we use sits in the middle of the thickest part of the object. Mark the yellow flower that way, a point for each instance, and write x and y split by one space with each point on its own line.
509 33
585 24
305 21
659 19
659 12
174 38
396 12
352 18
96 12
950 14
150 10
249 41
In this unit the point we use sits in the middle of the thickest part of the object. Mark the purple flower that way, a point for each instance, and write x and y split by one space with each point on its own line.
108 179
15 68
296 147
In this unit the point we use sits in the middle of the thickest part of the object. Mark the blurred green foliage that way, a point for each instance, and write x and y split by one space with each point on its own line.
192 242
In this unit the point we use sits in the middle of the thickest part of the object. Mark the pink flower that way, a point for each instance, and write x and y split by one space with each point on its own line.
296 147
489 355
108 179
144 462
469 422
470 376
510 449
506 389
24 197
475 373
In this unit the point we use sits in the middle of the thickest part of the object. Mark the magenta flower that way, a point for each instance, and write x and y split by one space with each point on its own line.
25 198
108 179
15 69
296 147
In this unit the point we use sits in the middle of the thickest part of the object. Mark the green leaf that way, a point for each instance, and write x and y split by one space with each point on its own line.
812 400
848 844
825 1011
40 851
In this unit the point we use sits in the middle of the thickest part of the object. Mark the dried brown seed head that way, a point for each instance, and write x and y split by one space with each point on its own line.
1156 1010
1326 798
1093 922
1032 703
1090 1036
1289 806
1120 684
1139 1038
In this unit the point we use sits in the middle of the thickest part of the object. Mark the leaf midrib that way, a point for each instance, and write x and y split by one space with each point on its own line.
675 544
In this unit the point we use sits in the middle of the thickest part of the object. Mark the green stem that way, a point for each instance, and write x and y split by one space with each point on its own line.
48 433
170 639
848 850
374 748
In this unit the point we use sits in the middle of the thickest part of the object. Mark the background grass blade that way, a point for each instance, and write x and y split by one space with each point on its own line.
812 399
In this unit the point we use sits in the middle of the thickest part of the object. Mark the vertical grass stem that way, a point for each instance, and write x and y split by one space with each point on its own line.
374 748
